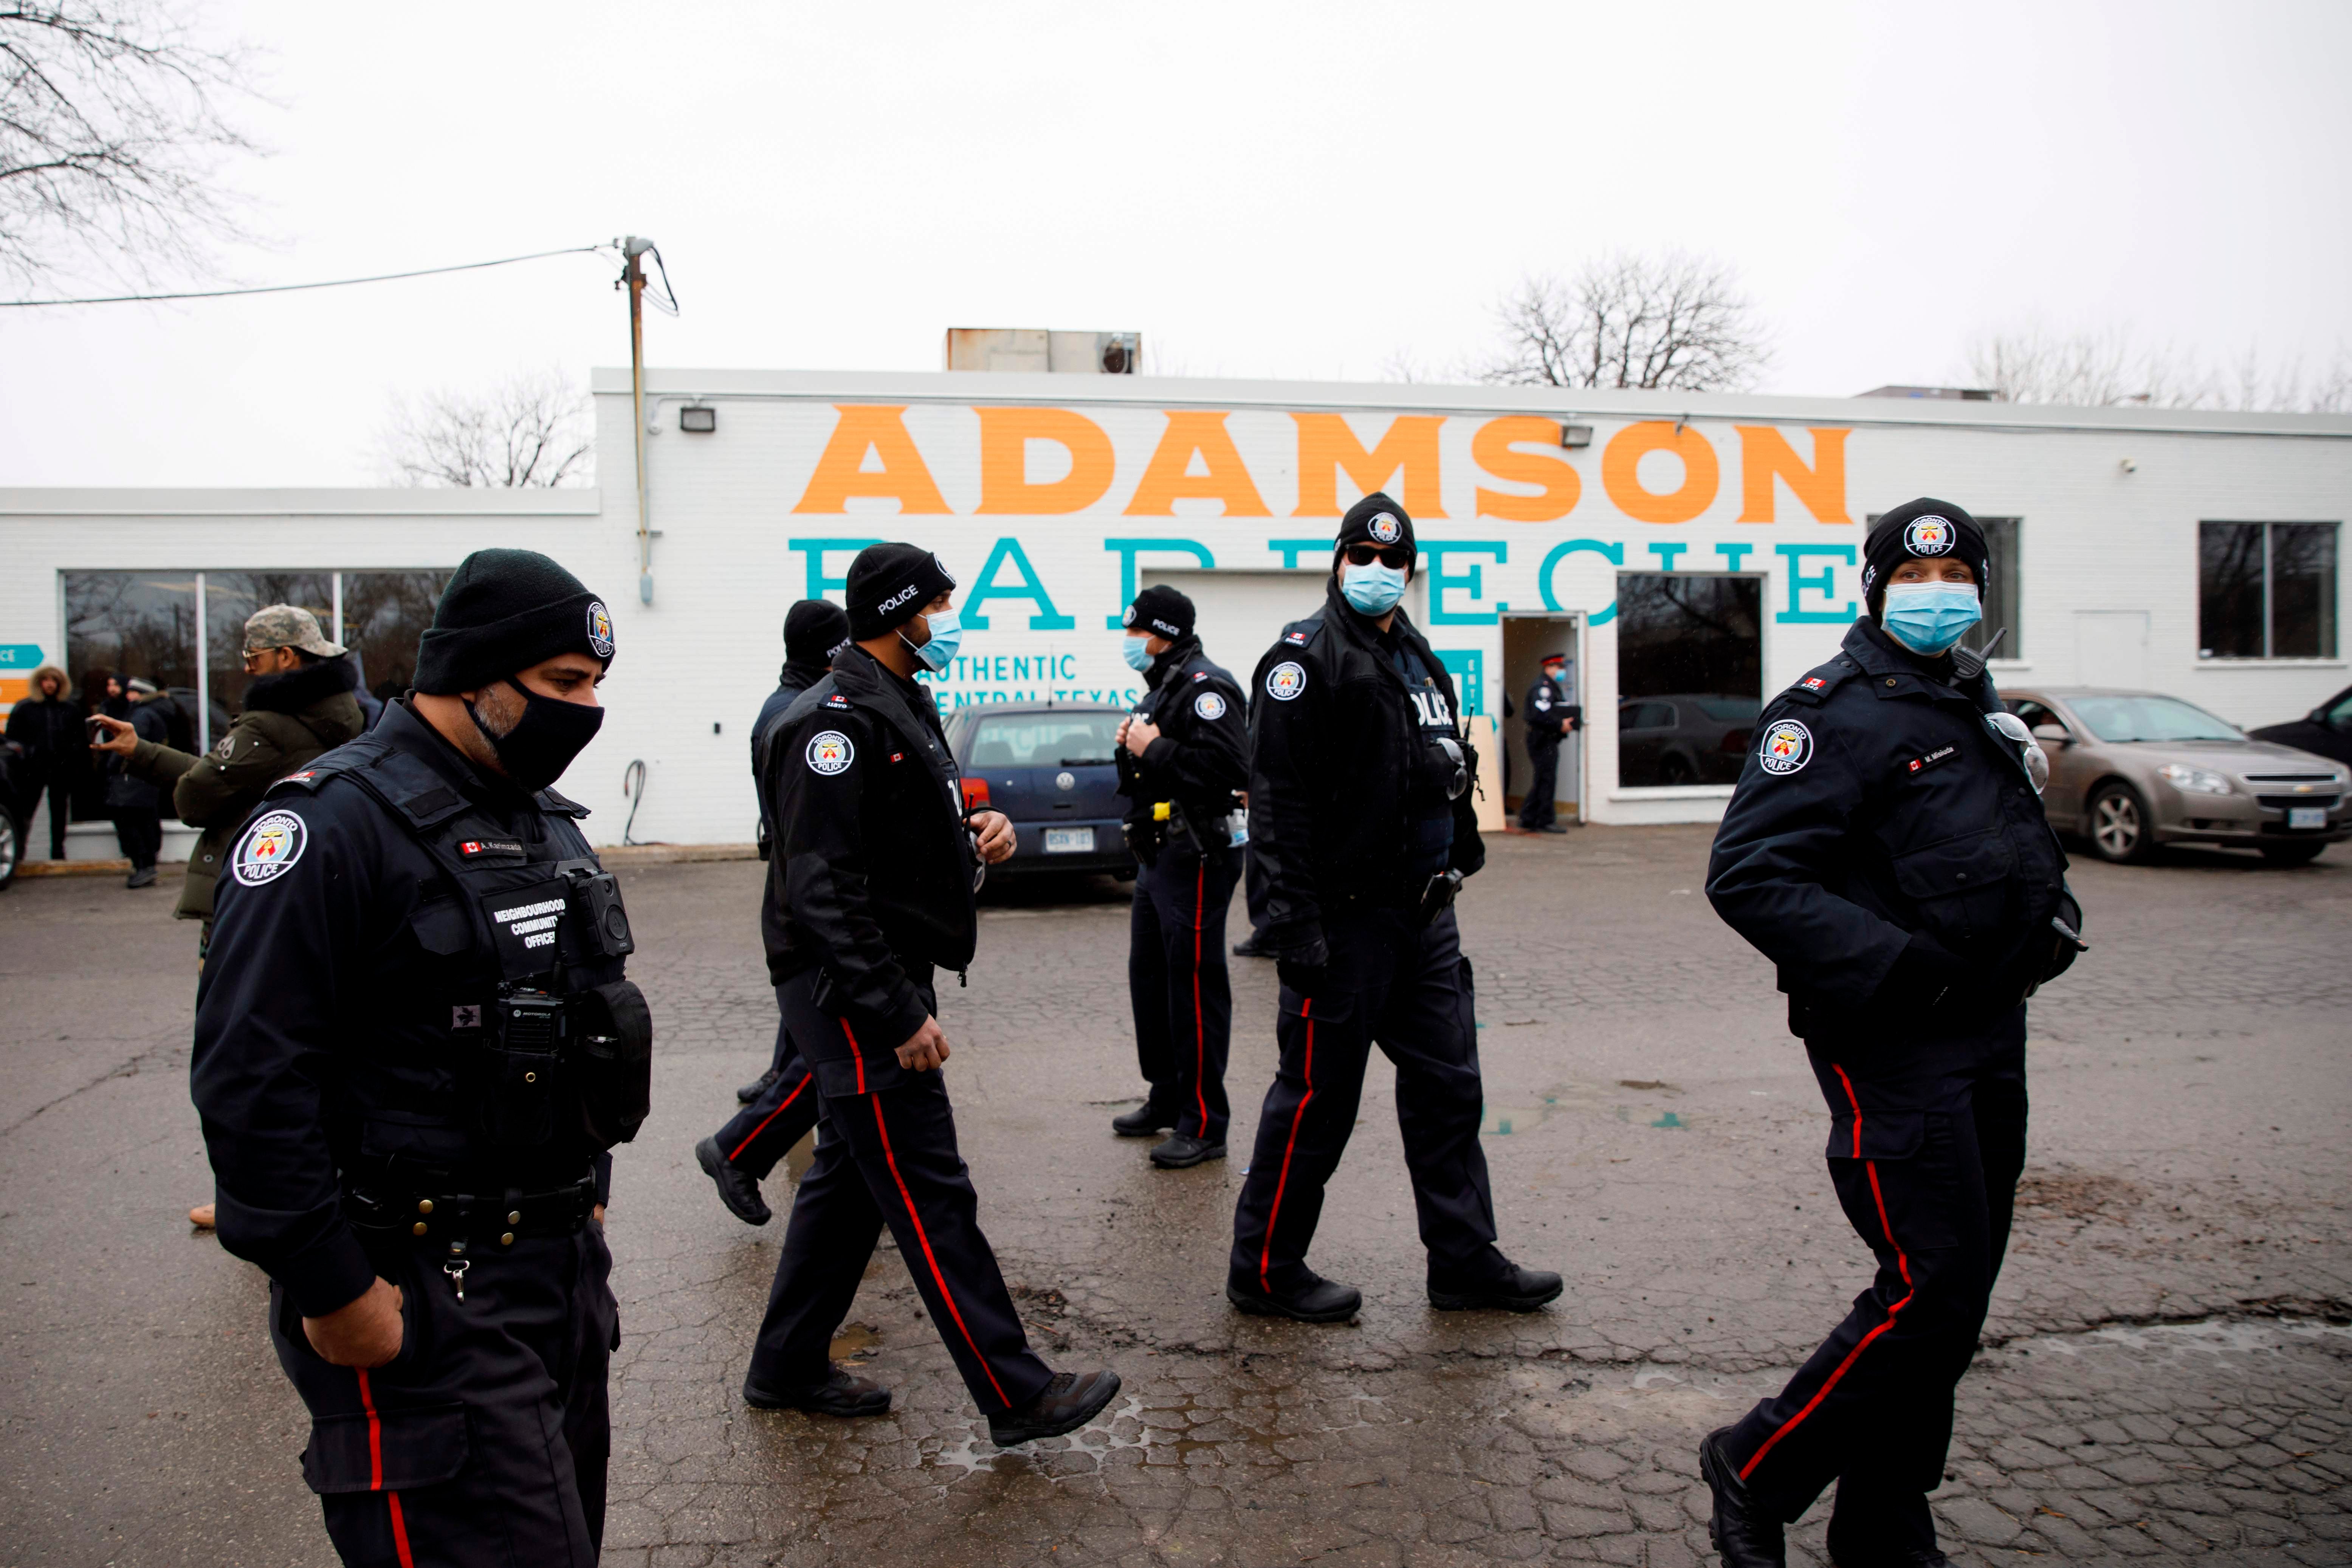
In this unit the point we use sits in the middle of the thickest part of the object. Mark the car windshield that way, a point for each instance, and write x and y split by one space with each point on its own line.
1045 740
2149 719
1730 709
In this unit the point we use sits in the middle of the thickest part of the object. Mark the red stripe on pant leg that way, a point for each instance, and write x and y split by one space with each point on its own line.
936 1277
1307 1073
375 1432
1902 1264
1200 1027
399 1532
855 1055
763 1123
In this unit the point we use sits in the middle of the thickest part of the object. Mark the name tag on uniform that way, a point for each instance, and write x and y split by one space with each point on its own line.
489 849
1921 764
524 922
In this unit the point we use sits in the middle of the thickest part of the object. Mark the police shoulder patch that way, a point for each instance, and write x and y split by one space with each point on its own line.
600 630
269 848
1285 680
1785 747
1209 705
829 753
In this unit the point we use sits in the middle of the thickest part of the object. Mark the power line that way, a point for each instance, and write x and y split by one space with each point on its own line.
294 288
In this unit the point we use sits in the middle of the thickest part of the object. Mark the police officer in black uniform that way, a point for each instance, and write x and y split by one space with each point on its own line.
780 1106
1550 718
414 1045
1184 758
1887 848
1361 818
879 861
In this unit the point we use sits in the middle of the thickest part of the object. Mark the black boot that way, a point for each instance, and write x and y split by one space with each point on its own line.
838 1394
1745 1534
1519 1290
1067 1403
757 1087
1146 1120
1320 1300
1181 1152
737 1189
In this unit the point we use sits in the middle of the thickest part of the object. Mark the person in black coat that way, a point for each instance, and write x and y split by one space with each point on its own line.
1361 820
1887 848
137 805
1550 718
48 725
877 861
780 1106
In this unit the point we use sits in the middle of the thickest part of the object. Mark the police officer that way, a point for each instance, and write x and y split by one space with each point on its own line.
780 1106
1887 848
879 861
414 1045
1185 759
1550 718
1361 818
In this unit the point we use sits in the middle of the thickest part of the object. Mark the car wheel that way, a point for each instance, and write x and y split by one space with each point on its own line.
7 849
2118 827
2291 853
1674 769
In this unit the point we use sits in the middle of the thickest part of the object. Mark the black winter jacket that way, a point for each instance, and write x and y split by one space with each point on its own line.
1876 808
1338 767
52 735
873 867
1202 756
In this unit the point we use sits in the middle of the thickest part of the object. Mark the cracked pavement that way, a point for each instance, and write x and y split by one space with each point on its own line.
2169 1371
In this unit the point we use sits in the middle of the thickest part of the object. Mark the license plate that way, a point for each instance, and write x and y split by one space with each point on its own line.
2301 816
1070 841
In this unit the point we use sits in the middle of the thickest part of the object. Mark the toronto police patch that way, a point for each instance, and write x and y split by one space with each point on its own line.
1128 618
269 848
600 630
829 752
1386 528
1785 747
1209 705
1285 680
1930 535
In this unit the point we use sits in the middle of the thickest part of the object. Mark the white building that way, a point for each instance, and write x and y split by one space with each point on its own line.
1692 553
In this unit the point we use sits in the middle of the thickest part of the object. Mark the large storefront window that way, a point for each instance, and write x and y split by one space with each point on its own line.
2000 630
146 623
1690 676
2266 589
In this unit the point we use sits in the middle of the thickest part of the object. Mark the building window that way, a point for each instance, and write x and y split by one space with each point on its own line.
2266 589
1690 676
384 615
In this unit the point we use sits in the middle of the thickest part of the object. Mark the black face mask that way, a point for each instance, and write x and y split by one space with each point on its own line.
543 741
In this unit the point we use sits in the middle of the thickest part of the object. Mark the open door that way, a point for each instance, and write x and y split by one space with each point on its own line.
1527 641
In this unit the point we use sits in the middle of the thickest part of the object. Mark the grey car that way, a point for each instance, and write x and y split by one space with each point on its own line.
2133 769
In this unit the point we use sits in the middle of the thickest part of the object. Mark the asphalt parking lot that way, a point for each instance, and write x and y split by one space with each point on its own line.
2169 1373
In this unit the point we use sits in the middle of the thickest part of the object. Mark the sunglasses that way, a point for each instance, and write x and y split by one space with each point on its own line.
1395 556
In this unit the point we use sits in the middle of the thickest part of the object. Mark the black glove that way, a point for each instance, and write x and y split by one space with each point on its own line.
2066 932
1925 976
1302 967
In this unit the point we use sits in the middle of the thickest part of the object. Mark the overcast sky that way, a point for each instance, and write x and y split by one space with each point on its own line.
1261 189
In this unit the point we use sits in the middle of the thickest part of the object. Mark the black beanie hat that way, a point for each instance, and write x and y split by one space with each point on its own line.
1376 520
889 584
1161 611
813 629
504 611
1922 529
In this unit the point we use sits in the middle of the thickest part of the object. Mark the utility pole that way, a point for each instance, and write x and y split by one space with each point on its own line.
633 279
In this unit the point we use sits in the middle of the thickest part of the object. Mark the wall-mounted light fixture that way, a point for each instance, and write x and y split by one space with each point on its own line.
698 419
1573 436
2128 466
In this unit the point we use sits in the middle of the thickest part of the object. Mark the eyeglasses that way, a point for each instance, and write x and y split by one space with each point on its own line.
1395 556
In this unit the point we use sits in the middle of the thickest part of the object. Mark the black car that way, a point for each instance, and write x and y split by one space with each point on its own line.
1048 766
2325 730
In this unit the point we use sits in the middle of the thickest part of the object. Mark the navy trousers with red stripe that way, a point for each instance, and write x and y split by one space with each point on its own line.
759 1134
1177 981
485 1440
1408 989
885 1154
1926 1140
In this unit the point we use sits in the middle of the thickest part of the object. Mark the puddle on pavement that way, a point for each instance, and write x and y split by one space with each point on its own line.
854 1340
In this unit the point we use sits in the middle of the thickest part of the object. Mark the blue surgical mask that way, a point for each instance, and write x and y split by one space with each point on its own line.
1136 651
947 636
1929 617
1374 590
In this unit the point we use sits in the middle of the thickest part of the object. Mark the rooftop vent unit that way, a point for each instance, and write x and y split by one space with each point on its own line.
1034 348
1947 393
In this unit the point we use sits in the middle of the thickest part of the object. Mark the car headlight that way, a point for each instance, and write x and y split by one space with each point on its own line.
2193 781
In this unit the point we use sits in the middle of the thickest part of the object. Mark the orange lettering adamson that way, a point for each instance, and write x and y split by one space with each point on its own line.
1192 433
1005 437
879 428
1765 453
1326 445
1621 472
1493 448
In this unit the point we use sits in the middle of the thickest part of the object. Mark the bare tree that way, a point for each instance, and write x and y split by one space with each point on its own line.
532 430
1628 319
2107 366
114 127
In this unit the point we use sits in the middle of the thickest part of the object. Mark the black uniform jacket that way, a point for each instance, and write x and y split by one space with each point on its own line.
1338 766
872 866
1876 803
1202 756
1546 705
333 1031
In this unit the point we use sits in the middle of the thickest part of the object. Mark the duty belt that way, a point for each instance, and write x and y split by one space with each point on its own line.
503 1217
